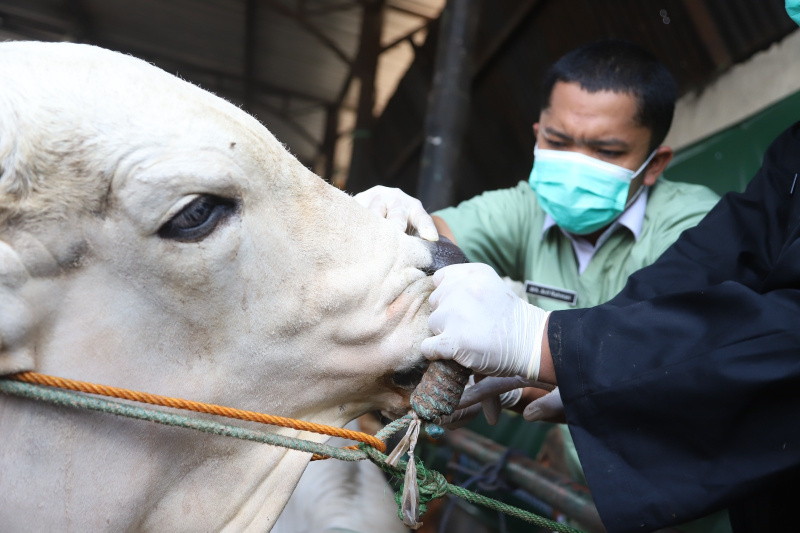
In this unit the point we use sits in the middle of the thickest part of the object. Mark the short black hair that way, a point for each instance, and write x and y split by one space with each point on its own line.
621 67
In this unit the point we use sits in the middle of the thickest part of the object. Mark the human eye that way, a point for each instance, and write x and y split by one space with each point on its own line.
610 154
554 143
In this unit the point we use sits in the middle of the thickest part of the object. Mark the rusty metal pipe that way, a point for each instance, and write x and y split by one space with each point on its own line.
544 483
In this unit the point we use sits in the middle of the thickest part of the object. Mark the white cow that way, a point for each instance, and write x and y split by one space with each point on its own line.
156 237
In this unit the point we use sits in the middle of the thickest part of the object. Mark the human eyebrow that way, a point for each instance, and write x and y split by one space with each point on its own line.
607 143
555 133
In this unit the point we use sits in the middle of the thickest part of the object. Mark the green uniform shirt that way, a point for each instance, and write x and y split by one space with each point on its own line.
503 228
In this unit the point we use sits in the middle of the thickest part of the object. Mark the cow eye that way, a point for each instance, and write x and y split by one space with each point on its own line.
198 219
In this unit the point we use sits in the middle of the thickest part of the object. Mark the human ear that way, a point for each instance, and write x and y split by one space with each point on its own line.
16 316
535 131
657 165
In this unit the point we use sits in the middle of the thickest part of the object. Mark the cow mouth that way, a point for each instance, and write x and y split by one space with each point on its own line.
443 253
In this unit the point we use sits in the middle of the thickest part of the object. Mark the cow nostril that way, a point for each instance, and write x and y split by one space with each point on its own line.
444 253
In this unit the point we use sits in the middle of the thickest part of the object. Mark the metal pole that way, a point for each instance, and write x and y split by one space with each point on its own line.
542 482
448 104
364 69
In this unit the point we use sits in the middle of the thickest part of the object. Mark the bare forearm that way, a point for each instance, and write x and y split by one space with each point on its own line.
443 229
547 373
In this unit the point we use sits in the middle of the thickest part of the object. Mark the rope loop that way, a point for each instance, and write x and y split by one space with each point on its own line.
432 484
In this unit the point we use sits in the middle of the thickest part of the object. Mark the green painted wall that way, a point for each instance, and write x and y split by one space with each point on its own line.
728 160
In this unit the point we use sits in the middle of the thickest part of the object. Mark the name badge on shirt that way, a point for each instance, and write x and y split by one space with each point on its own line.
554 293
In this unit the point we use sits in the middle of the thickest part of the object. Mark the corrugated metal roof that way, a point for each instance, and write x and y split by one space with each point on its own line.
299 63
301 54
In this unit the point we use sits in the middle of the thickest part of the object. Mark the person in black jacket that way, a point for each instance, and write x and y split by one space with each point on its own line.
683 392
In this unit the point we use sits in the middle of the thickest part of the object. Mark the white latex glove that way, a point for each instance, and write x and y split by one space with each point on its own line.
480 323
400 209
549 408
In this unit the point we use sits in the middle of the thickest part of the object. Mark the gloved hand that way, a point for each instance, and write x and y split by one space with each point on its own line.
480 323
400 209
492 395
548 408
491 410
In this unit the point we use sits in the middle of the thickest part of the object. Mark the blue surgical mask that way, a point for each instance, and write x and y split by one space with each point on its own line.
793 9
581 193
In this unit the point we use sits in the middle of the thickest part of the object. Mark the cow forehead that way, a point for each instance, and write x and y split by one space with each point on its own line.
111 93
75 113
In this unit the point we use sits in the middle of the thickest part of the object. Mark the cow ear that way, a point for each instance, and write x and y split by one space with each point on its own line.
16 315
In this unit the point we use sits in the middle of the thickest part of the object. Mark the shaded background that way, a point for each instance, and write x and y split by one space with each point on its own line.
324 75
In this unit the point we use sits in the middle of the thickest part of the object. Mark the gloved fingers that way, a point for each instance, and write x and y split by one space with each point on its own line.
548 408
419 219
397 215
490 387
453 273
438 347
460 417
373 200
466 279
491 409
400 209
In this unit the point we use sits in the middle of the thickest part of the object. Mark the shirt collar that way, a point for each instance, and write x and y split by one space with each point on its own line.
632 218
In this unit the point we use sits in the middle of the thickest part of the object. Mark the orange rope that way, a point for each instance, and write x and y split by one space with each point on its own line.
188 405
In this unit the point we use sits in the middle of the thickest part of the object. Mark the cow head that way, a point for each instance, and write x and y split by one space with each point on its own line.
156 237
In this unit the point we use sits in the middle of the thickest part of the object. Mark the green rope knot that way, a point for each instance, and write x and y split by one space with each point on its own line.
432 485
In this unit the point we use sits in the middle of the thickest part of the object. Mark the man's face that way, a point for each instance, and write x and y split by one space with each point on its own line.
602 125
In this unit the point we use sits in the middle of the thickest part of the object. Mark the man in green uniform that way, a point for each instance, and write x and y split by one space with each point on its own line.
594 210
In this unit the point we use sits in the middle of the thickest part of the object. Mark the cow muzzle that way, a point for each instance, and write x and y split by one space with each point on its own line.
444 253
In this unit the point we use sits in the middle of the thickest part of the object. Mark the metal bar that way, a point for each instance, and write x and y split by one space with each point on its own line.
406 37
324 10
448 104
81 21
310 28
403 157
542 482
482 64
249 51
328 148
364 69
171 64
345 86
504 37
297 128
408 11
708 32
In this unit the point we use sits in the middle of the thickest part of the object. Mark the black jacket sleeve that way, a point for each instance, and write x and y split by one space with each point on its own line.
683 392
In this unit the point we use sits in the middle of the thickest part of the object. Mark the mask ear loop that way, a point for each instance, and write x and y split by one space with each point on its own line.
639 171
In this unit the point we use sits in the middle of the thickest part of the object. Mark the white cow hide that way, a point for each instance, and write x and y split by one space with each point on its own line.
341 497
156 237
